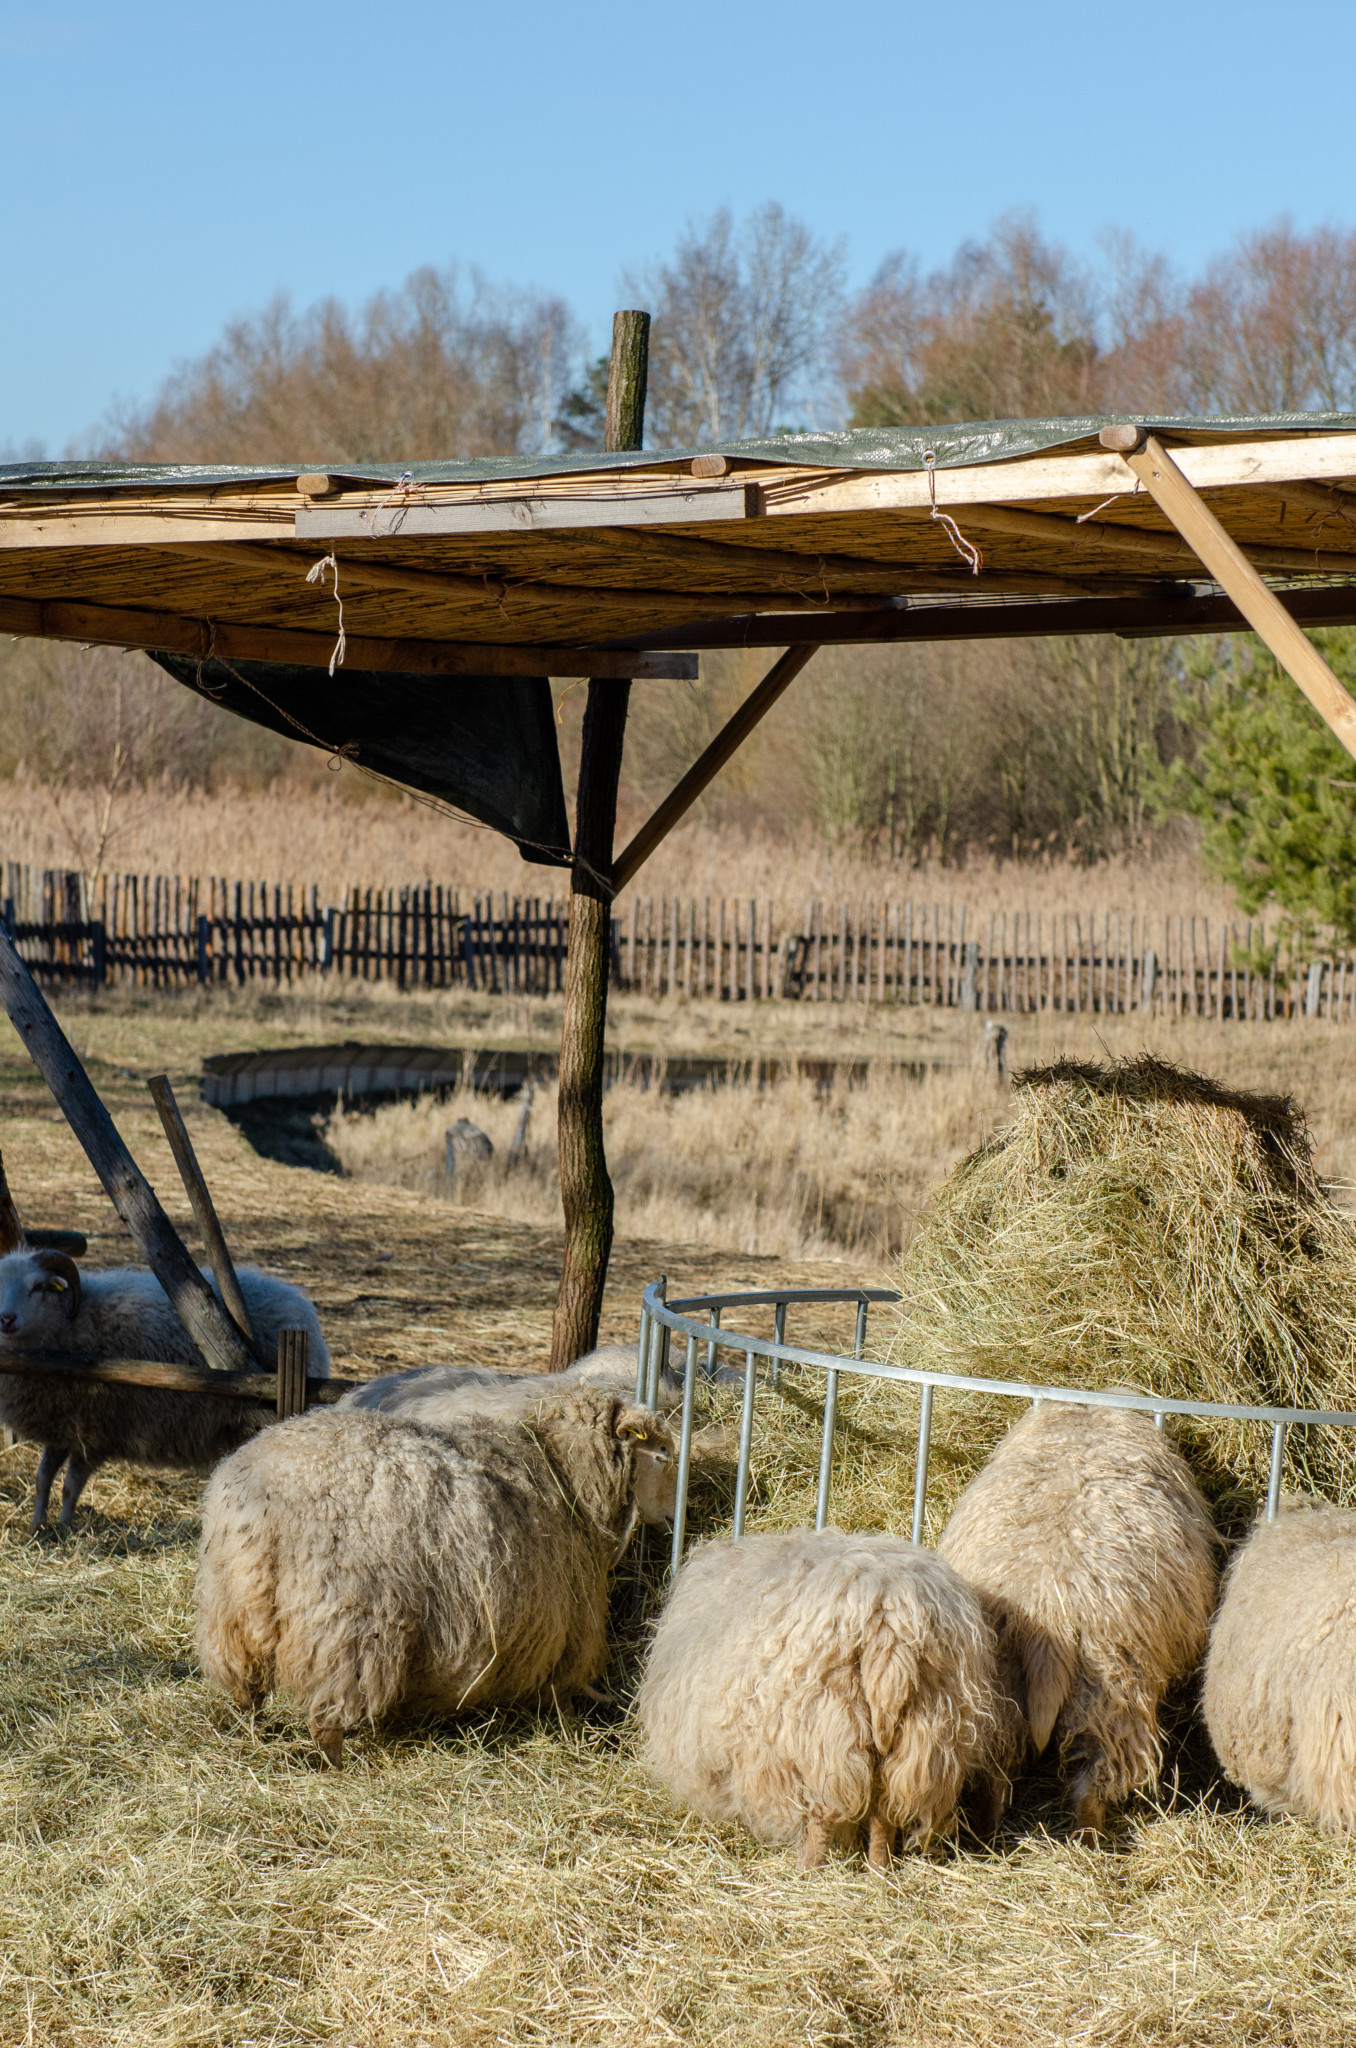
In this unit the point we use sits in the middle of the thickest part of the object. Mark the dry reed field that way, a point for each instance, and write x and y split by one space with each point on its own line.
177 1874
342 832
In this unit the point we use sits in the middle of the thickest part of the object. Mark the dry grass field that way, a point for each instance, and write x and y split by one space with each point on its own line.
174 1874
343 831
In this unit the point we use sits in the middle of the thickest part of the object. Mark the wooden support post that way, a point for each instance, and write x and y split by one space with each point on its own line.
191 1174
1232 570
292 1349
585 1185
12 1237
131 1194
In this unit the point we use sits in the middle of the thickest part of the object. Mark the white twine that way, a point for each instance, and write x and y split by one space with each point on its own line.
317 575
963 547
400 495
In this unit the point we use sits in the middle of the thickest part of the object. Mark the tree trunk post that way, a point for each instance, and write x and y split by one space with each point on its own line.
585 1186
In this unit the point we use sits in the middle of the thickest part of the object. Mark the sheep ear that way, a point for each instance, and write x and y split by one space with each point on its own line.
634 1425
64 1279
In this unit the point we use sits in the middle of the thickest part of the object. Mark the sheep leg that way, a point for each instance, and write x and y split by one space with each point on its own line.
49 1464
77 1472
987 1799
880 1840
814 1843
329 1740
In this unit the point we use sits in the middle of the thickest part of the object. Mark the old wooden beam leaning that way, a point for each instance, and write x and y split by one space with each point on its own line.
1232 570
131 1194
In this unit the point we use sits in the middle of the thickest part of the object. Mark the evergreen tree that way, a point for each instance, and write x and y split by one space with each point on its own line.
1273 788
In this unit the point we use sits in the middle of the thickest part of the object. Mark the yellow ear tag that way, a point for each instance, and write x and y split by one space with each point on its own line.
57 1286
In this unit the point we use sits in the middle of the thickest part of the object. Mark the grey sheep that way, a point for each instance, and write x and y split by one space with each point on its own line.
814 1684
48 1304
1086 1535
1280 1674
362 1564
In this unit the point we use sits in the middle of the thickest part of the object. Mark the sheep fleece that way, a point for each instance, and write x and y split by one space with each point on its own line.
1280 1676
814 1674
1086 1533
361 1563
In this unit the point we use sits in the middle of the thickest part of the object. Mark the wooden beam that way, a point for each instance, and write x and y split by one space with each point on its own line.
1232 570
172 1379
131 1194
739 556
708 765
1168 551
1162 617
116 626
195 1187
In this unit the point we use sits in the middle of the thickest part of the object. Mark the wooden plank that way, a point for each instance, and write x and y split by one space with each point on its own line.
196 1188
1171 487
119 626
175 1379
528 513
1226 465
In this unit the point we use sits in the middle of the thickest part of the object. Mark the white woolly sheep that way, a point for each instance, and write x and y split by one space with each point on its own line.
362 1564
1280 1674
1089 1541
812 1683
48 1304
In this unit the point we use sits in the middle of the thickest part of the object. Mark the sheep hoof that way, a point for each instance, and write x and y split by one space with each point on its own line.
988 1797
1089 1821
330 1743
880 1843
814 1845
246 1700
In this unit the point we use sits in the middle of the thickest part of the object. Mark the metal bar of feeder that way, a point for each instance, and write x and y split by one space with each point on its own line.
745 1442
826 1449
920 1466
778 1337
1278 1436
642 1356
684 1455
710 1367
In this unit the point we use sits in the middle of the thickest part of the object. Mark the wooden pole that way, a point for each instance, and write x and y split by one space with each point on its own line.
627 375
1232 570
12 1237
131 1194
585 1185
191 1174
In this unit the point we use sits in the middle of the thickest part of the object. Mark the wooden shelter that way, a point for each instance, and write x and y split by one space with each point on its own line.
307 599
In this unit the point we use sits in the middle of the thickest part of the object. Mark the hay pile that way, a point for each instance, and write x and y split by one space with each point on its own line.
1139 1225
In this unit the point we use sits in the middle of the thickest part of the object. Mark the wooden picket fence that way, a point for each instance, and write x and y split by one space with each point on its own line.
170 931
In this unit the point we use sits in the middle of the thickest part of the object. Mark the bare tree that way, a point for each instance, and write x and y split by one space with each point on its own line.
418 374
1272 326
743 326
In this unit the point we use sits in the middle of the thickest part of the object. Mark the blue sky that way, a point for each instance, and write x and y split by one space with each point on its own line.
169 166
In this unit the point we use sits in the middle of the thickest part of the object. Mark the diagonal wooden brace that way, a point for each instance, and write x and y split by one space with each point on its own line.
707 766
1234 573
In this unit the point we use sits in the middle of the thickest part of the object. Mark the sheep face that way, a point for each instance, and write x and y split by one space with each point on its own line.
654 1469
39 1299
